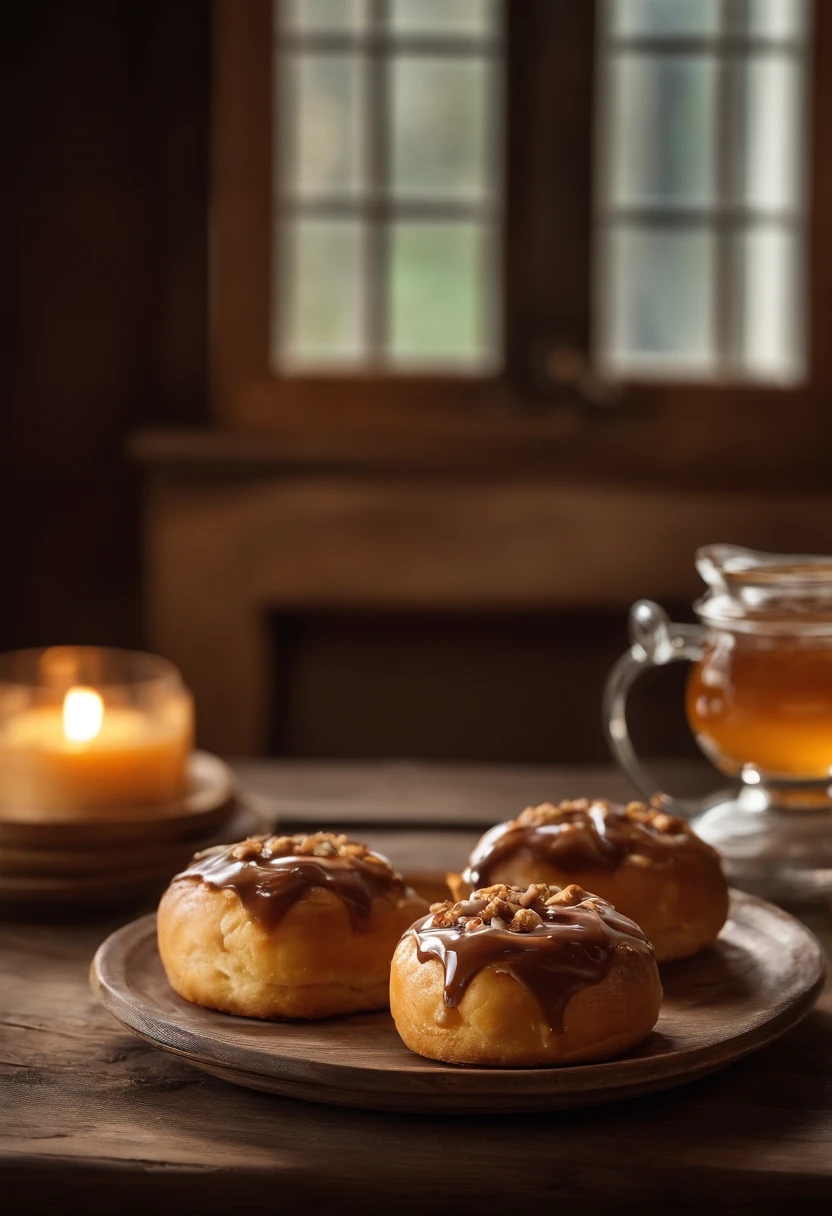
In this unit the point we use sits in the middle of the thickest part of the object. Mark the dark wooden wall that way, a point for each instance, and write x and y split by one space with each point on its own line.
104 232
515 687
104 215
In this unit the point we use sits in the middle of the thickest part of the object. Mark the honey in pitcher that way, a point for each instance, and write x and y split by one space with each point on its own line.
764 703
759 701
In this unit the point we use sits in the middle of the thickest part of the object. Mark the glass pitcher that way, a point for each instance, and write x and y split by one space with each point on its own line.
759 703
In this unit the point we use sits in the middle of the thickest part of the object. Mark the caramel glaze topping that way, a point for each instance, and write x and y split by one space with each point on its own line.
270 873
553 942
585 835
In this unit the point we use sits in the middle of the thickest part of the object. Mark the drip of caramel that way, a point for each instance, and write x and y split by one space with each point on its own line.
579 836
267 886
573 948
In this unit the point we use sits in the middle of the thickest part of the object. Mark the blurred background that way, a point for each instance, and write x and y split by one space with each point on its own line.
368 358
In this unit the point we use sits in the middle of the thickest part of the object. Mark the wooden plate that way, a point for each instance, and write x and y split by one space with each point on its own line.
754 984
116 878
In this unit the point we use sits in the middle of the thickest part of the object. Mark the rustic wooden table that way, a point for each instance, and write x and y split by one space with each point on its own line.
95 1120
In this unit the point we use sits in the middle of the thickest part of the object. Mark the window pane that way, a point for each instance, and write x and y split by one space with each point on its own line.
322 125
322 16
771 159
321 283
439 284
661 129
658 300
438 128
771 279
777 18
660 18
443 16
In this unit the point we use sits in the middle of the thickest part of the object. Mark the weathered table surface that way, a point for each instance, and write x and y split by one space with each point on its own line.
95 1120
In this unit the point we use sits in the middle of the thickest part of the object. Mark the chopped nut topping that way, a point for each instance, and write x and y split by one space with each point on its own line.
507 908
500 909
445 915
524 920
252 847
318 844
569 813
569 896
497 891
278 846
531 895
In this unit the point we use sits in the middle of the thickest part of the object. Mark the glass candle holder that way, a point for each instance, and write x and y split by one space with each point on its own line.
87 731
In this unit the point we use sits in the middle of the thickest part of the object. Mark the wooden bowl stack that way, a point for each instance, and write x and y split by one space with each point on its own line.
76 863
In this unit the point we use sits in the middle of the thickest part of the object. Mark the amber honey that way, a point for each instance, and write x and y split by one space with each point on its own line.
764 703
759 701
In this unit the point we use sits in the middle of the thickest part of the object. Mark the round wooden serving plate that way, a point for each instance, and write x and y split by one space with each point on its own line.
760 979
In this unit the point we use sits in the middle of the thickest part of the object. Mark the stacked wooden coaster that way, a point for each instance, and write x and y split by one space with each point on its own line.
79 863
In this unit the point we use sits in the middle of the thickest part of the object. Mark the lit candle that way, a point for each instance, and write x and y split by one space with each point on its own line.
83 715
92 751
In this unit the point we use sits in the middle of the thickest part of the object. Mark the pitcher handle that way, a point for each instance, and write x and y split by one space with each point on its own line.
656 640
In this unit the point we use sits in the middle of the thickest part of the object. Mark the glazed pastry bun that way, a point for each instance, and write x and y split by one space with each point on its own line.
522 976
285 926
650 865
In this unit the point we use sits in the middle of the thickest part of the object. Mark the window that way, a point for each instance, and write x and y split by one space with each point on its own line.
387 185
626 192
701 188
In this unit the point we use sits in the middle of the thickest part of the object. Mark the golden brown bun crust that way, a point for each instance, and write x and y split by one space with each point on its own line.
310 964
499 1021
679 900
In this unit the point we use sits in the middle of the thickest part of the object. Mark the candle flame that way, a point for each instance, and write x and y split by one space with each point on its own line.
83 714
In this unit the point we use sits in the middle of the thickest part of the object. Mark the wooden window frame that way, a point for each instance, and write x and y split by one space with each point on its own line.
377 208
243 388
545 409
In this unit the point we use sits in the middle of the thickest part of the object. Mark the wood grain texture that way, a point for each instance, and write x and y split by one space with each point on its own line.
756 983
401 793
241 220
105 252
94 1119
251 546
119 880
